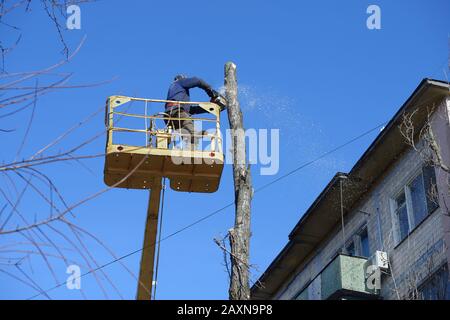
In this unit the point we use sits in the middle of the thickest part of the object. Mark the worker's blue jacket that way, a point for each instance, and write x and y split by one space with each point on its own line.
179 91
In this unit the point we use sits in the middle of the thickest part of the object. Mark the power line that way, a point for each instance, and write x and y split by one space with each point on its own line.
323 155
221 209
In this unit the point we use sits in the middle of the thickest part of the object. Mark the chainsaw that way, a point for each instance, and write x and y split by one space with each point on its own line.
220 101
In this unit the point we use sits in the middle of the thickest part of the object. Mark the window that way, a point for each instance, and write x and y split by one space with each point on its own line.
402 215
418 199
364 240
359 244
429 180
415 202
350 249
436 288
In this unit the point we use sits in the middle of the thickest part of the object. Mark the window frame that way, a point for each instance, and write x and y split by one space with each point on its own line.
396 213
406 189
366 231
351 243
355 241
441 275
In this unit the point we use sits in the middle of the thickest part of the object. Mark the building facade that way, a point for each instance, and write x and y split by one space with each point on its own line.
381 231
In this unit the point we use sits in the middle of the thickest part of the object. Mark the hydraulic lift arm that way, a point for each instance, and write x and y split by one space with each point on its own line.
145 284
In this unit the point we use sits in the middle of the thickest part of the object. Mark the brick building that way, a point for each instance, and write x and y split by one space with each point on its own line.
381 231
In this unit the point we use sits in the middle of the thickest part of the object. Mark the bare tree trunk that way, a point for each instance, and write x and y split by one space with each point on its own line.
240 234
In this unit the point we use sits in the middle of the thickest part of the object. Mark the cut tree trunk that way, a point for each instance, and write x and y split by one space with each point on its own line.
240 234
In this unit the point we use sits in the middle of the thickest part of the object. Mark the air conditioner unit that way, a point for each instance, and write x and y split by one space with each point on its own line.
380 260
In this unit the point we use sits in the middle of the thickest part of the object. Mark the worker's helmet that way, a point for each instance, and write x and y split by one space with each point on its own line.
179 77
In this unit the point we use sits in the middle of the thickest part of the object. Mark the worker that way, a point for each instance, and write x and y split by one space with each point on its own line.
179 91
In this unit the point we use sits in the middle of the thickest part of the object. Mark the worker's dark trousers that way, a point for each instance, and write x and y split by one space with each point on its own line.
187 127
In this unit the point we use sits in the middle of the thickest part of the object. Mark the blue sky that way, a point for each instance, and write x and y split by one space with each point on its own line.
310 69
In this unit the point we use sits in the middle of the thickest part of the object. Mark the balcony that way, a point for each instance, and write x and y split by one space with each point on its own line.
343 278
